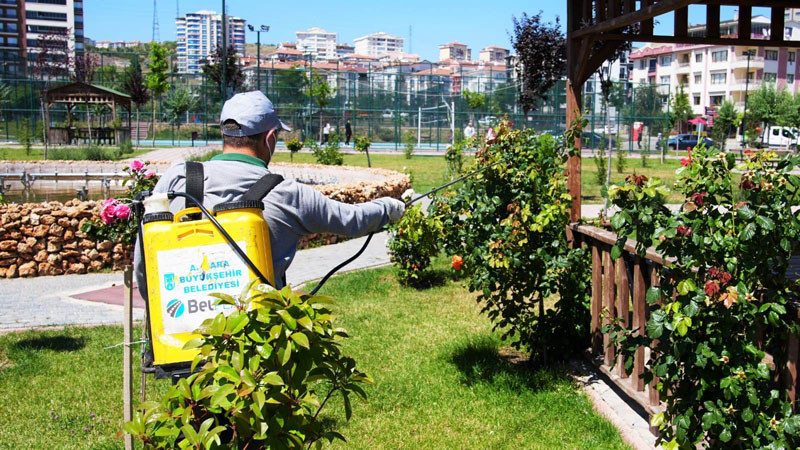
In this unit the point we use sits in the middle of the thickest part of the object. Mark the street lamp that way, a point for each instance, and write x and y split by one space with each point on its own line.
748 53
263 28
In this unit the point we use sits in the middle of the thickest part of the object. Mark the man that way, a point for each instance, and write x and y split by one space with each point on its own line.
326 133
469 131
292 210
348 133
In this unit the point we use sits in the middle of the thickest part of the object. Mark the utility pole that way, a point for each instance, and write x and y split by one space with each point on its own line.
156 33
748 53
263 28
224 53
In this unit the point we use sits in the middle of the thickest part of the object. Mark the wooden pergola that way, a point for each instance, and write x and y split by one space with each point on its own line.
86 94
597 28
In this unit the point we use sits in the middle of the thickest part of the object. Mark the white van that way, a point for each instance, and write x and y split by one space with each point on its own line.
783 137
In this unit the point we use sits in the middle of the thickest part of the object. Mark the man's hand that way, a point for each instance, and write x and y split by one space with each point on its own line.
408 195
396 210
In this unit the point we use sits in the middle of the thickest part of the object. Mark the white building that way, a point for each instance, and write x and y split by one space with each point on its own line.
49 16
117 44
378 44
199 34
318 42
494 55
454 51
344 50
710 74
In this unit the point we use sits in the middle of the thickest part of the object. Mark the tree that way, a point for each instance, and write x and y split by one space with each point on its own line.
727 121
52 61
769 106
234 78
542 54
84 69
322 93
290 85
475 101
179 102
134 84
680 109
157 78
647 104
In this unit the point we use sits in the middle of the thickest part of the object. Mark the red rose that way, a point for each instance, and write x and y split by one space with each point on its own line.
686 161
698 198
683 230
457 262
747 184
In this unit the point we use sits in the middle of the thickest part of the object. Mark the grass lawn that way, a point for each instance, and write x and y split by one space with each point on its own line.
590 189
37 153
441 381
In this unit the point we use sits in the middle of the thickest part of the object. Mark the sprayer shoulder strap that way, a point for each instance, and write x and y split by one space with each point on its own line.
194 181
262 187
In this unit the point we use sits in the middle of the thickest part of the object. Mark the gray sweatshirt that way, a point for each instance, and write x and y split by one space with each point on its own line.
292 210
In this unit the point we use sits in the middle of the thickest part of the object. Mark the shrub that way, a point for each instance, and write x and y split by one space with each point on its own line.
329 154
725 301
410 140
621 161
455 158
24 131
294 146
362 144
126 147
412 244
601 165
266 371
508 224
205 156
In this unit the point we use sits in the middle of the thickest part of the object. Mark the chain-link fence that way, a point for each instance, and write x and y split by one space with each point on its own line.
420 103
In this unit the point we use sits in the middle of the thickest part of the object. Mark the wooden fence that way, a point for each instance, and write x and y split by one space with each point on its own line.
611 292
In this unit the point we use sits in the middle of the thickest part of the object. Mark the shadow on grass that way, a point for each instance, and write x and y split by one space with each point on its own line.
483 362
58 343
430 279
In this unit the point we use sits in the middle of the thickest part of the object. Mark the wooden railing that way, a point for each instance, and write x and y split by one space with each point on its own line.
612 301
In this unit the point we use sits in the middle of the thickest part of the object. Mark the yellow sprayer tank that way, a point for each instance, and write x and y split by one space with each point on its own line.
188 260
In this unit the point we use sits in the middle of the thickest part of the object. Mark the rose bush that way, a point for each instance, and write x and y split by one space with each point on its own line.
116 221
266 372
412 244
724 298
507 227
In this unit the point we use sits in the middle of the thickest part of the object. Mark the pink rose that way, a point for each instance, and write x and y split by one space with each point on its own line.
107 211
136 165
150 175
122 211
490 136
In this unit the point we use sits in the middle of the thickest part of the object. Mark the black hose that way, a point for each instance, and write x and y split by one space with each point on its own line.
241 254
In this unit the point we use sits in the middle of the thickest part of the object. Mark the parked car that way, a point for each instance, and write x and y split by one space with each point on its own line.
589 140
687 141
487 121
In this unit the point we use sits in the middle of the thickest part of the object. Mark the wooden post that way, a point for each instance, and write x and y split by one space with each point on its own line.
127 361
623 308
597 297
574 163
639 322
609 285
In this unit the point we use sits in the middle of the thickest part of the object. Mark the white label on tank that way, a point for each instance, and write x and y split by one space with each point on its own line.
186 278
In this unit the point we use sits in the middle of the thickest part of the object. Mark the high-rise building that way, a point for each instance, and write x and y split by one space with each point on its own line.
494 55
454 51
317 42
12 38
344 50
199 34
54 17
792 15
378 44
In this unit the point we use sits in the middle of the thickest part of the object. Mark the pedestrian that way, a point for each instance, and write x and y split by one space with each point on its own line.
639 138
250 129
348 133
326 133
469 131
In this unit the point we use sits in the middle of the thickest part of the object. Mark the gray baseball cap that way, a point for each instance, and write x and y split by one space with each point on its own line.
253 112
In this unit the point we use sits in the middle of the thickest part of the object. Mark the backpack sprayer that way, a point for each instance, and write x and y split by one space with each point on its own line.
219 252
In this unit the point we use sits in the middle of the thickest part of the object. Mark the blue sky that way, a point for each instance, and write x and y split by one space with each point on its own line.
475 23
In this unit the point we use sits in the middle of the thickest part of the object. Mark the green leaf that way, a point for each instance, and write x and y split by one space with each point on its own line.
748 231
654 329
616 252
786 245
228 372
223 299
348 409
653 295
686 286
306 323
287 319
746 212
300 339
272 378
194 343
618 221
219 397
725 435
765 223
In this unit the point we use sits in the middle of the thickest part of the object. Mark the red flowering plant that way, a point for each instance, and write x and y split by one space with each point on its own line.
724 297
116 222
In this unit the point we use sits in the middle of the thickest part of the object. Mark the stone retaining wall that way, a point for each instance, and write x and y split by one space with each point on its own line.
45 238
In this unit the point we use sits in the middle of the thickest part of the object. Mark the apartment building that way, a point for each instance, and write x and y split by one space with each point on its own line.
65 17
12 38
378 44
344 50
494 55
112 45
454 51
317 42
199 34
710 74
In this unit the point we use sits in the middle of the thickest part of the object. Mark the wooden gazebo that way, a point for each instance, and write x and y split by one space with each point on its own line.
595 30
87 94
